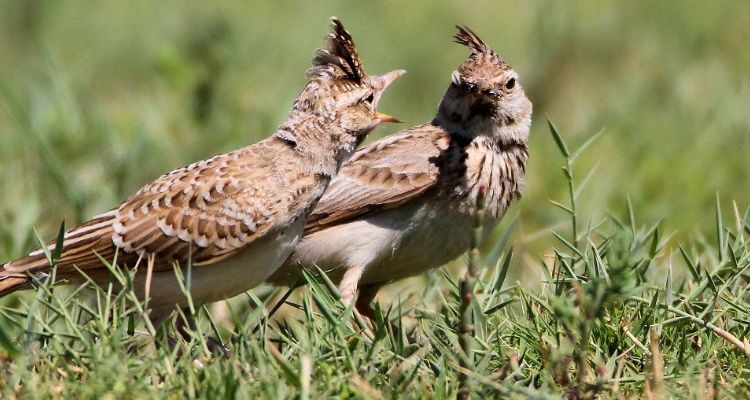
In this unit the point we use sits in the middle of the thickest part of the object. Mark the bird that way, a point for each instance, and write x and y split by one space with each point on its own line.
235 217
405 204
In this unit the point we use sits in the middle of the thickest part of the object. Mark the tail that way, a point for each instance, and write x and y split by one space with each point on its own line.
79 247
10 282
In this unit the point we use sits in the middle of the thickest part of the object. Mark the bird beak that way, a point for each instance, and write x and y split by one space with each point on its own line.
380 117
389 77
386 80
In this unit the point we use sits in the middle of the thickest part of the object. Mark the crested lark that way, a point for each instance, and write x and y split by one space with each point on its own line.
405 203
236 216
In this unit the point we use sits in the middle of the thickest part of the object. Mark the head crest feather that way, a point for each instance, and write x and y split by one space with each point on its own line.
468 38
480 52
340 58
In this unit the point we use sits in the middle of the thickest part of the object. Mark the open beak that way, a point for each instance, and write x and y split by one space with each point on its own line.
385 118
386 80
389 77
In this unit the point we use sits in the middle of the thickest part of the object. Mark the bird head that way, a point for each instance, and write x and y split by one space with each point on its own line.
340 101
485 97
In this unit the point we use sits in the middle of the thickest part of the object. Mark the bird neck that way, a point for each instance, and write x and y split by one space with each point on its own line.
316 149
505 130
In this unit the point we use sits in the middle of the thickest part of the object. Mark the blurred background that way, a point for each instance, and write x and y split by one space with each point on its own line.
99 98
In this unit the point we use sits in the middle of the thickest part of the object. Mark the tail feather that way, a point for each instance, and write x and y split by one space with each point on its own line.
12 282
82 246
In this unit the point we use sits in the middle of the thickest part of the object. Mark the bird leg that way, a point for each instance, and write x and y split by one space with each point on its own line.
367 294
348 289
348 284
364 306
188 322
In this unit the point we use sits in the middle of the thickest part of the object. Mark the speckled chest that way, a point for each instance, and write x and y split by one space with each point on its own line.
466 166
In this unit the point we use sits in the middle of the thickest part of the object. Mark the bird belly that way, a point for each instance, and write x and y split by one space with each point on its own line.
392 244
226 278
436 235
356 243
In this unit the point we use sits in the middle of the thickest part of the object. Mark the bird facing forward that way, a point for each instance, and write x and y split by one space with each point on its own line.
235 216
405 203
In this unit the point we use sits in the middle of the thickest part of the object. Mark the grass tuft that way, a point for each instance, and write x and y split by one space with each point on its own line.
619 315
632 283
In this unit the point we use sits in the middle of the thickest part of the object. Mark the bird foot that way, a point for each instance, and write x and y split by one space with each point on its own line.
217 348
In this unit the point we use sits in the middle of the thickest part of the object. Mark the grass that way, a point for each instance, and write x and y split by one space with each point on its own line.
623 276
605 324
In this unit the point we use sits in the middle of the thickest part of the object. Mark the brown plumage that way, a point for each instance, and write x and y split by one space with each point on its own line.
405 203
238 215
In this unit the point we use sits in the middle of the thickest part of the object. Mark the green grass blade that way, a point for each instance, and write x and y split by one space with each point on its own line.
57 253
719 229
498 284
497 249
558 139
584 182
7 343
694 272
585 145
563 207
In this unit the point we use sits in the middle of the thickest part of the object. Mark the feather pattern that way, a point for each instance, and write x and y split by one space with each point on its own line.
383 174
208 210
467 37
406 203
340 58
236 216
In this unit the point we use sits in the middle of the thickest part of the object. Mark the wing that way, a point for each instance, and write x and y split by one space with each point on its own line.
380 175
207 211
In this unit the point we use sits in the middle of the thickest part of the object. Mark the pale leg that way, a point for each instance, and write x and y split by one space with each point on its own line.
348 285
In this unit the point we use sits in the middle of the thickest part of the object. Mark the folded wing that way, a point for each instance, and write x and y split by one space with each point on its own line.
206 211
384 174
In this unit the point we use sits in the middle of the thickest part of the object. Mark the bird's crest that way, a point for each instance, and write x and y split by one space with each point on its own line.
339 59
481 54
468 38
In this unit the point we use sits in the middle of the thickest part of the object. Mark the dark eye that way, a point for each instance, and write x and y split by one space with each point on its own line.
470 86
370 98
510 83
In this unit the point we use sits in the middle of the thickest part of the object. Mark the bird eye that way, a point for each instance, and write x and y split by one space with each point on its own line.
511 83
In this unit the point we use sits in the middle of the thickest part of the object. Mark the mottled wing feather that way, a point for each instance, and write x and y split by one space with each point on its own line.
85 244
381 175
207 210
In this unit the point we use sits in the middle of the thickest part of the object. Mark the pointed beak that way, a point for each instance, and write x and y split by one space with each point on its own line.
389 77
380 117
386 80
